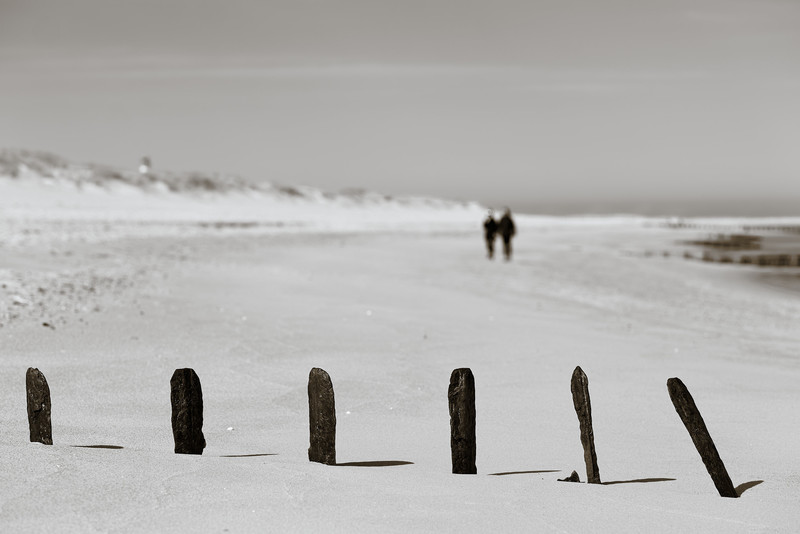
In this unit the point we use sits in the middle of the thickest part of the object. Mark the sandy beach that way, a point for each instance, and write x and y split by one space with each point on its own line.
389 314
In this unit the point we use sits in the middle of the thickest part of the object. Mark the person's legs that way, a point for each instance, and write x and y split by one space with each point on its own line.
507 248
490 248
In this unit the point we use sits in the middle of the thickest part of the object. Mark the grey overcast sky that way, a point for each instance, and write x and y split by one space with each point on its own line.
509 102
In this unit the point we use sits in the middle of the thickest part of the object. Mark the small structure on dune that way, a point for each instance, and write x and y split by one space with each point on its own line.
145 165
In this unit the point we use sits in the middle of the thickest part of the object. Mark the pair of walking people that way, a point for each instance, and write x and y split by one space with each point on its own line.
505 227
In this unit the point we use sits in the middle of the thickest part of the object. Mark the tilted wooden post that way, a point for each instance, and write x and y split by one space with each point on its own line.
583 407
321 418
461 397
38 395
693 421
187 412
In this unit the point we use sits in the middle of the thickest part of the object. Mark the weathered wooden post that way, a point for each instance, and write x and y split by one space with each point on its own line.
38 395
583 407
187 412
461 396
693 421
321 418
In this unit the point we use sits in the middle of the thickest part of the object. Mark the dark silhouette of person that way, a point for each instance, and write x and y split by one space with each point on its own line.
507 230
489 233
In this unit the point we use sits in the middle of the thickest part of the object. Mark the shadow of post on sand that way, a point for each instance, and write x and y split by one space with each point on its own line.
638 481
247 455
525 472
741 488
377 463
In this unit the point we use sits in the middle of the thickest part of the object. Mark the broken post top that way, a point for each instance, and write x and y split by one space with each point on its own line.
464 372
317 373
183 371
462 388
578 376
320 387
678 390
36 384
186 378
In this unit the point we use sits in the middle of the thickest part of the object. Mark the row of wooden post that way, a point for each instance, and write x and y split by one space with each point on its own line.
187 420
461 395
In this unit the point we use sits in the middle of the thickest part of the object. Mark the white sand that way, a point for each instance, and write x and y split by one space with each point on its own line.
388 314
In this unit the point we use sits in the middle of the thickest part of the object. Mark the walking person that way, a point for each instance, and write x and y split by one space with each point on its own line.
507 230
489 233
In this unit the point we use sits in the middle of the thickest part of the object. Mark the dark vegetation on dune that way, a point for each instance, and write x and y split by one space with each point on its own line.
25 164
17 163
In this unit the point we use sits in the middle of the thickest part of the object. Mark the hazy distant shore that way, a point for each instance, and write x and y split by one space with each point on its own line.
735 207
